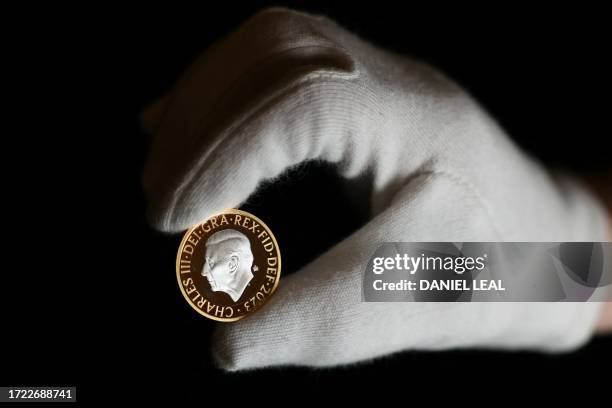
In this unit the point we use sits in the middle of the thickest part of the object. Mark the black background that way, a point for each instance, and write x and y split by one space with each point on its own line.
89 295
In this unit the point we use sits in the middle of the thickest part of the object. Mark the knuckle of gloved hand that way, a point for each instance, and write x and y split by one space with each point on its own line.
279 26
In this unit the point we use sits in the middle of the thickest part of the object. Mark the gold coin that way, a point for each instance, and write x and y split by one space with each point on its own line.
228 266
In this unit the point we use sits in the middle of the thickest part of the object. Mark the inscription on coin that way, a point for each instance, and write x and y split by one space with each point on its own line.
228 266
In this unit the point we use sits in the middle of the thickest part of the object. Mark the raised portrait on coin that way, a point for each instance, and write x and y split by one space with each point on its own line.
228 262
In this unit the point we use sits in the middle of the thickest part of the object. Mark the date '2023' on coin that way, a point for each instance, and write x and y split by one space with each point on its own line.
228 266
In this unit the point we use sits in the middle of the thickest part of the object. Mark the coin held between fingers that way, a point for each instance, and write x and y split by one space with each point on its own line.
228 266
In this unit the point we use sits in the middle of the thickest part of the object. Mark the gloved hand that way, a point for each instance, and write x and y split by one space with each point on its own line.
288 87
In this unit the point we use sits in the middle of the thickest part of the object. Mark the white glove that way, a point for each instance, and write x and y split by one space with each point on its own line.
288 87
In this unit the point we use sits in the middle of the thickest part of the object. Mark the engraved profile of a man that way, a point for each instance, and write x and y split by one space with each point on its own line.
228 261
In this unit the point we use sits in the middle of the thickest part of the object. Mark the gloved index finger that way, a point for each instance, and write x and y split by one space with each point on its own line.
251 107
